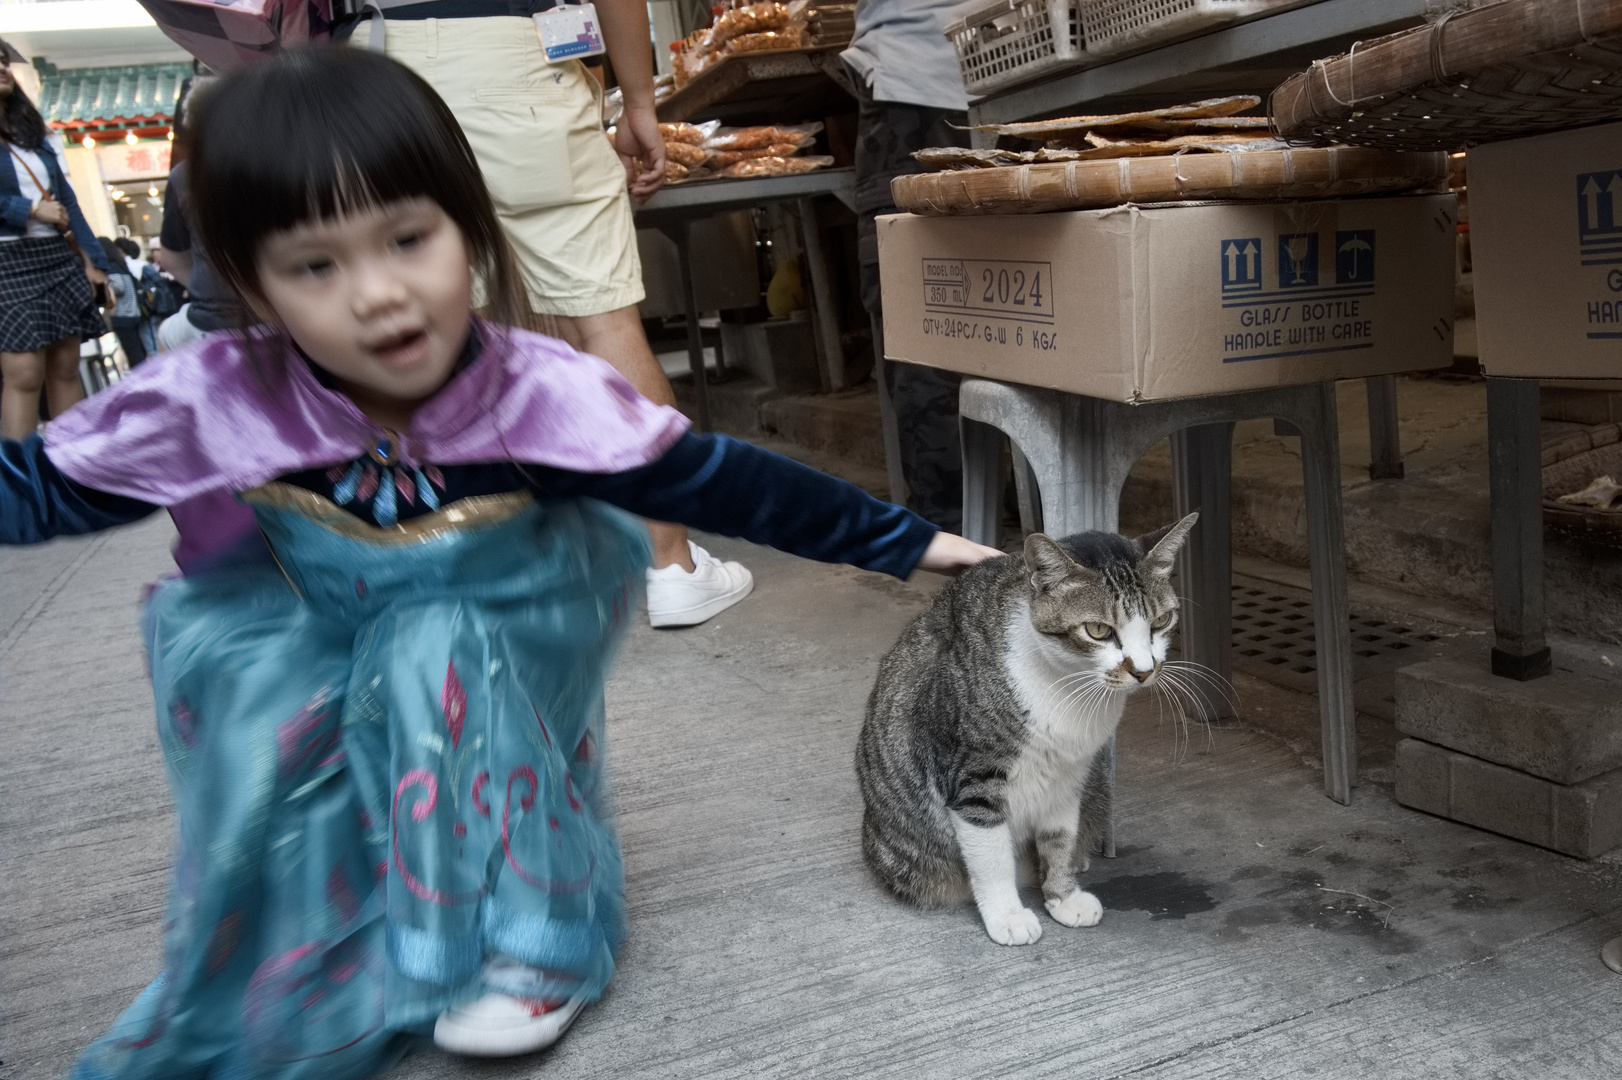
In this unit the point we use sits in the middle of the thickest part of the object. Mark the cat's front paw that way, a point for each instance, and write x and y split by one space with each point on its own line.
1012 926
1078 909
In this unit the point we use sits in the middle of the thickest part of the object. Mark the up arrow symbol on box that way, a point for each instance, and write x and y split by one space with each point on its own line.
1251 254
1591 192
1613 190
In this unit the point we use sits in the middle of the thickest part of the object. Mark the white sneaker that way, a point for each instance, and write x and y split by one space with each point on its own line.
677 598
504 1025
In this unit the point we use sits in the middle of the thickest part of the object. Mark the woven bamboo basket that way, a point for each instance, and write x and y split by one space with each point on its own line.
1502 71
1568 466
1086 185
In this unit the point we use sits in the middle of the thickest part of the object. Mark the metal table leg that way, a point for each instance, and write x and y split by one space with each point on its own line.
889 429
1202 467
1385 448
1515 479
822 300
681 235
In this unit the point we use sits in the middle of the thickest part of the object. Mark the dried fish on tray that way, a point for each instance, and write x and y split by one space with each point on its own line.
953 157
1208 116
1081 185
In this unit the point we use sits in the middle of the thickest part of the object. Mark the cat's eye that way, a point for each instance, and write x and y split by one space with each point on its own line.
1162 621
1099 631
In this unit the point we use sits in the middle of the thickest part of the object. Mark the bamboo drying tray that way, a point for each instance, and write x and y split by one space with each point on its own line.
1085 185
1568 466
1498 72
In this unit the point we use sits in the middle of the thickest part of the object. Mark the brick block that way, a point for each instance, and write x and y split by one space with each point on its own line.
1565 727
1583 819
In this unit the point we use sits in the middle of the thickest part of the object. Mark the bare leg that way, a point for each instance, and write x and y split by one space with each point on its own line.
617 337
63 389
24 375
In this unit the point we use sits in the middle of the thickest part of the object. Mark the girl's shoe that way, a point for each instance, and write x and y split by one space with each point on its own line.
502 1025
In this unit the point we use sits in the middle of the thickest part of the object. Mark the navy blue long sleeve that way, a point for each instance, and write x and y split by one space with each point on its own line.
37 502
726 486
708 482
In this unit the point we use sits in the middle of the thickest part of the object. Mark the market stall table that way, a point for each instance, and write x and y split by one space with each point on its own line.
673 210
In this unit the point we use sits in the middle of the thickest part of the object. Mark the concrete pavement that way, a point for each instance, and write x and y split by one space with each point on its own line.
1252 928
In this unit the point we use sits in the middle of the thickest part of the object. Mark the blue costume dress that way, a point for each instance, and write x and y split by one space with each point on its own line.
382 716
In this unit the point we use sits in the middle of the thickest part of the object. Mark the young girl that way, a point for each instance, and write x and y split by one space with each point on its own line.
380 690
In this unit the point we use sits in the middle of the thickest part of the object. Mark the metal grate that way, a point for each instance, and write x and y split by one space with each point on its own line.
1273 639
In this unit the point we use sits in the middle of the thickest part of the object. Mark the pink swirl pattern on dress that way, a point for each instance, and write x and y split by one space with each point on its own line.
527 802
419 813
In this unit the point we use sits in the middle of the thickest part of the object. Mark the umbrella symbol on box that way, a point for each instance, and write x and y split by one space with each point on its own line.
1354 257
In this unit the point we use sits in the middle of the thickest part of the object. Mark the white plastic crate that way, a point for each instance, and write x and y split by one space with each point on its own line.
1113 27
1015 41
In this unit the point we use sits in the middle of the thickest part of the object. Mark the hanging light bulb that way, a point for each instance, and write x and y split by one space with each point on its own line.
171 134
131 139
89 143
152 190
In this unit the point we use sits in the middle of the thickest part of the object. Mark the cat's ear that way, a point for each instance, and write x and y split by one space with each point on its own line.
1160 547
1048 563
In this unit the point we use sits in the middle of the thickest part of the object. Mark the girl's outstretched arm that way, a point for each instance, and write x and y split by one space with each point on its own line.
722 485
37 502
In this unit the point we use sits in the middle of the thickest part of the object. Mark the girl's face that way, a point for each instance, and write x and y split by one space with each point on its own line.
381 298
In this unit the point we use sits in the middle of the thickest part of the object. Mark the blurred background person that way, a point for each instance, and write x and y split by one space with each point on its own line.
139 269
212 305
125 311
911 96
51 268
561 194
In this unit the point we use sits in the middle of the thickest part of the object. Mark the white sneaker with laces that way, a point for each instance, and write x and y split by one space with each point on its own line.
505 1025
677 598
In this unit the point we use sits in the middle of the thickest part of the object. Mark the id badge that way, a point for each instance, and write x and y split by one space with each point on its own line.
570 32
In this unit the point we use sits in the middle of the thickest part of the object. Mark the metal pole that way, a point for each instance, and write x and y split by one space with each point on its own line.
1385 446
681 234
1515 479
822 299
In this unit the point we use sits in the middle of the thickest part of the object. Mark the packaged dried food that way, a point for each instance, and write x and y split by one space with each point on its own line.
685 154
773 166
723 158
754 19
755 138
675 170
682 133
791 38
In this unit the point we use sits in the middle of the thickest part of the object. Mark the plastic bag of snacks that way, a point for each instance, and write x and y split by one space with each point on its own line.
792 37
756 138
686 154
722 158
773 166
692 134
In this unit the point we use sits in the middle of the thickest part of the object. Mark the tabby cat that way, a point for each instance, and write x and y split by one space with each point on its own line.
984 729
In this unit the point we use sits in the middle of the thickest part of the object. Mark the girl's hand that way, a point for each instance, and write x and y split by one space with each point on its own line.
98 283
51 213
948 553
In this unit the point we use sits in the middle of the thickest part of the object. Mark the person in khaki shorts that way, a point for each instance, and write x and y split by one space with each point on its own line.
560 189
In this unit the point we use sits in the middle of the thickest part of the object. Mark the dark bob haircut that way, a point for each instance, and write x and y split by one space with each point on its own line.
317 133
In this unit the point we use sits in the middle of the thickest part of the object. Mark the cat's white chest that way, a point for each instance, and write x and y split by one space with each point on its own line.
1067 723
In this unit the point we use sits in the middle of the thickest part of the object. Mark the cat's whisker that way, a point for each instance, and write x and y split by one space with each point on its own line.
1200 677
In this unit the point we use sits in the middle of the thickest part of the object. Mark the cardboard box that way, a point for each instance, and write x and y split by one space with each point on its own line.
1151 303
1546 244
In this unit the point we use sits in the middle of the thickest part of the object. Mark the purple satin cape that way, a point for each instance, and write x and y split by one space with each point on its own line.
190 428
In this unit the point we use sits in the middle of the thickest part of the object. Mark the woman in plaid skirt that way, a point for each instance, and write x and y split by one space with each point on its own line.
47 287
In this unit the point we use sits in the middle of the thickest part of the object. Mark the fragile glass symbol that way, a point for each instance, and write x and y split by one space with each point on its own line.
1299 248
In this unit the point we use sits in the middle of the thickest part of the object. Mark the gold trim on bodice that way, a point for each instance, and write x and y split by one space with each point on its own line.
473 512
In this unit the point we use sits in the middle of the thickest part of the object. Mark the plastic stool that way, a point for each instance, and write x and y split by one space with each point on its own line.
1079 451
